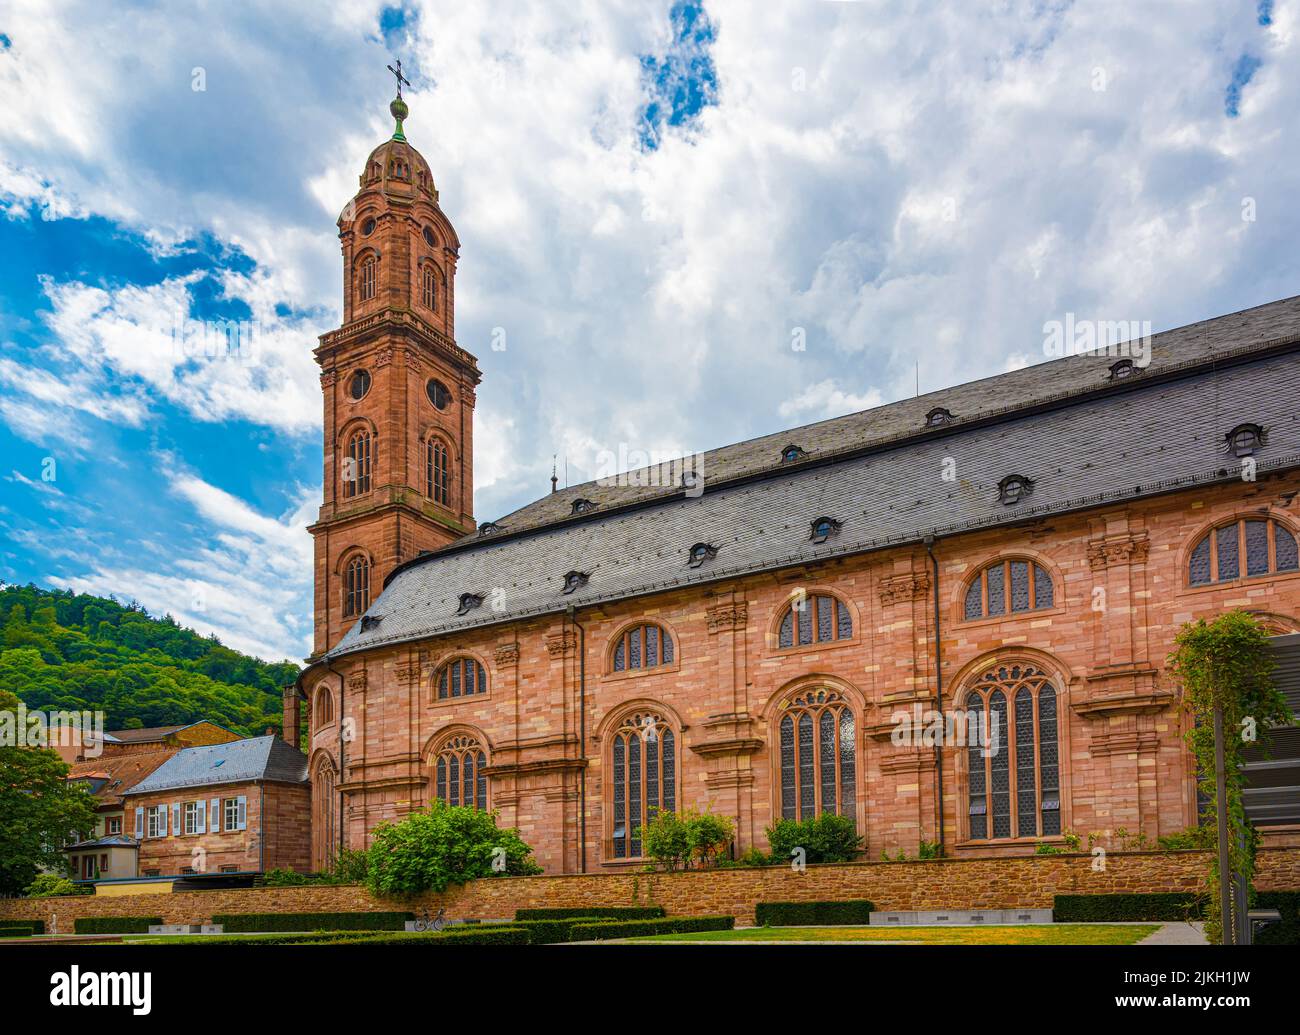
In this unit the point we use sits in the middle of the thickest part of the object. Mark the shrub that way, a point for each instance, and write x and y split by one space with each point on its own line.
287 878
592 912
16 931
1192 837
236 922
441 846
457 936
826 838
1287 932
51 885
814 914
641 928
1285 902
114 924
1127 906
680 840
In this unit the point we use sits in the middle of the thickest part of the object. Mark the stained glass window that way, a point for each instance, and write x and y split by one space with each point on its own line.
643 646
815 618
1013 770
459 776
461 677
1006 587
818 756
1268 547
643 771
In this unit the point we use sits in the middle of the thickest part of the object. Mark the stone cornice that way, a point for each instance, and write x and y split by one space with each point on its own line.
723 748
401 322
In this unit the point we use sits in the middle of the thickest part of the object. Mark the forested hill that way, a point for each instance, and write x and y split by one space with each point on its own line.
60 650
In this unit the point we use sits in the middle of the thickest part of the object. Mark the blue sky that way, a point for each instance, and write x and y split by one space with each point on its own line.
654 201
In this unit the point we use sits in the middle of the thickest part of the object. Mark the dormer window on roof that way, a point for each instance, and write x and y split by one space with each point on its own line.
582 505
792 453
701 552
823 528
469 601
490 527
1245 439
938 417
1122 369
1013 488
369 622
575 580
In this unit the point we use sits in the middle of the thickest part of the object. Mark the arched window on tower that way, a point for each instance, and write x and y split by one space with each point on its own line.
1013 771
356 586
357 461
458 773
368 278
429 287
437 472
818 755
643 780
324 707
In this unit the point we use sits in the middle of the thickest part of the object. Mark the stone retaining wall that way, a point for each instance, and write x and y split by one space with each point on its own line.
1027 882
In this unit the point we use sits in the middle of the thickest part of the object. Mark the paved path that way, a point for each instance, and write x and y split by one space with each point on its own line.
1182 933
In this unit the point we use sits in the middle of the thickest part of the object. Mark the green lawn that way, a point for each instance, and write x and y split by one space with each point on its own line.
1045 934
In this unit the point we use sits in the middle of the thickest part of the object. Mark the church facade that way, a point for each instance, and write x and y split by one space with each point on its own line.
760 635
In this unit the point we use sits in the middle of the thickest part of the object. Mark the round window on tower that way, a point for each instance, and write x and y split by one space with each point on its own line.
439 394
368 228
359 384
429 239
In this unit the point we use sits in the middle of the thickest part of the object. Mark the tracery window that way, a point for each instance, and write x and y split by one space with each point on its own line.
356 586
1008 587
357 460
1246 547
458 773
460 677
643 646
437 472
814 618
818 755
1013 767
643 779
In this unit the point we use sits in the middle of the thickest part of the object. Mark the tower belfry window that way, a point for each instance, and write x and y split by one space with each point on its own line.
429 287
369 268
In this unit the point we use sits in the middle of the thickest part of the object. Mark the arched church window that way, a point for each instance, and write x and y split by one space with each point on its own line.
1007 587
429 287
1247 547
643 780
817 739
357 460
437 472
369 270
356 586
324 707
814 618
1013 767
643 646
460 677
459 776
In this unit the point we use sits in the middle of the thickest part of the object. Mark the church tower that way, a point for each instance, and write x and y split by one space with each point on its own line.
399 392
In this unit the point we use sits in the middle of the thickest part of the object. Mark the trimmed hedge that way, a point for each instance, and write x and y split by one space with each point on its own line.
114 924
598 912
237 922
468 935
16 931
1155 905
854 912
640 928
1286 932
1285 902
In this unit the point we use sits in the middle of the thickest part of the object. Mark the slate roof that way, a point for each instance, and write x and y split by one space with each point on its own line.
241 761
1083 440
120 772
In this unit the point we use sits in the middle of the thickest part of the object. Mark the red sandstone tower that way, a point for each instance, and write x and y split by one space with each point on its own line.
399 392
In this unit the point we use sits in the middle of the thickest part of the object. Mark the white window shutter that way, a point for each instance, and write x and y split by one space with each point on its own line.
199 826
242 823
216 815
139 823
177 829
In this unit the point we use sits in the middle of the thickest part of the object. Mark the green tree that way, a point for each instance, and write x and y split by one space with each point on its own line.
441 846
1228 664
825 839
40 810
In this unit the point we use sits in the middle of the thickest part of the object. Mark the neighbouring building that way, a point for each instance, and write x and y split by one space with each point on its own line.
744 634
236 808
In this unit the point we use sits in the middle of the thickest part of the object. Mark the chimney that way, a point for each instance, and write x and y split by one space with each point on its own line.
291 724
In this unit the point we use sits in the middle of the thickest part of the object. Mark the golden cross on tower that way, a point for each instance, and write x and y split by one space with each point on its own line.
400 78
